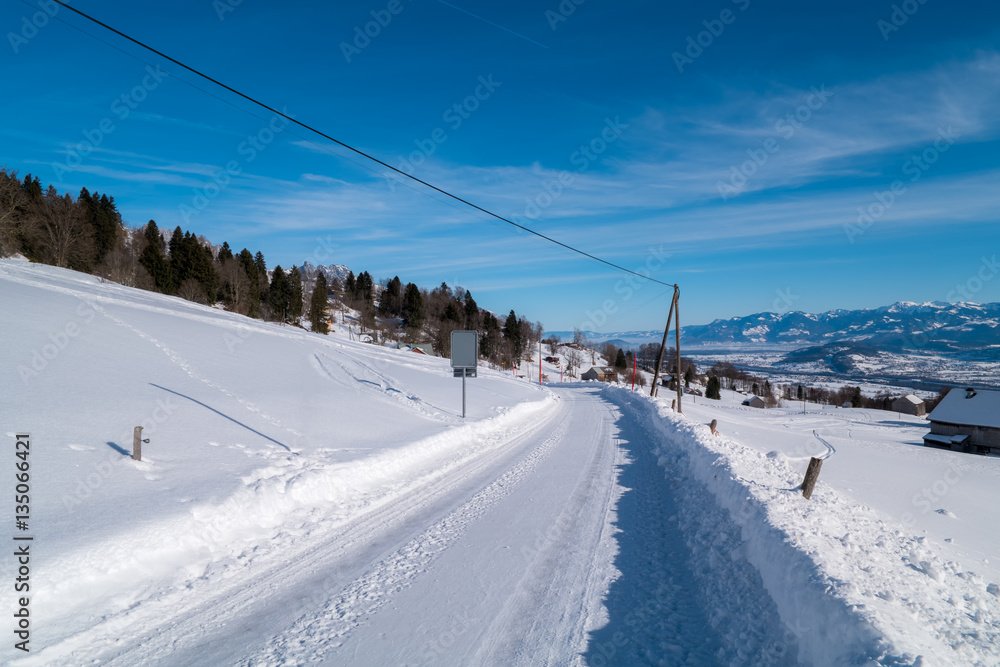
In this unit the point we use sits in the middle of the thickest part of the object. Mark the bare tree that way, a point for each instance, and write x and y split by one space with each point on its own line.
121 264
63 235
238 287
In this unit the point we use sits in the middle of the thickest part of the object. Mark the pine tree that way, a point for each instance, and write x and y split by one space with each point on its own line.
413 308
688 376
280 295
512 336
154 259
621 363
471 312
295 295
225 253
714 389
317 306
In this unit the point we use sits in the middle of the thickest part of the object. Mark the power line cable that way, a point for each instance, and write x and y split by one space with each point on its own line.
356 150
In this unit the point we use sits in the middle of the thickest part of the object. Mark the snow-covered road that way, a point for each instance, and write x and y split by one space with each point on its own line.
559 543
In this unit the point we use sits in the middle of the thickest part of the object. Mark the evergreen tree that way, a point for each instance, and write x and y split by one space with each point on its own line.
621 363
350 289
471 312
225 253
489 342
154 259
391 301
246 260
280 295
295 284
688 376
856 398
260 264
317 306
413 307
512 336
714 389
105 222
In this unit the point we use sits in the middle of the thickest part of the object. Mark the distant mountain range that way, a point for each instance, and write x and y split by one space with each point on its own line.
901 327
330 272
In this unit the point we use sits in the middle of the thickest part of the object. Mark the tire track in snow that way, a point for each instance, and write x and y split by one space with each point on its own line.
174 616
182 363
313 635
384 390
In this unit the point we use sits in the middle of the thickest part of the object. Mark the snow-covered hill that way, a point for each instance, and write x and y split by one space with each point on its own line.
306 499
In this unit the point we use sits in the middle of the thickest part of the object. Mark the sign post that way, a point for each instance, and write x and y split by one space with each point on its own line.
464 357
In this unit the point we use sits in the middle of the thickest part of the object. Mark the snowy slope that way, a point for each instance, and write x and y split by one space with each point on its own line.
257 431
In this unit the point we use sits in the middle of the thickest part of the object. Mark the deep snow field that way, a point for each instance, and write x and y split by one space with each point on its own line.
310 499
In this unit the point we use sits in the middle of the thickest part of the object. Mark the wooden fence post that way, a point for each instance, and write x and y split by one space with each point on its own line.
812 474
137 443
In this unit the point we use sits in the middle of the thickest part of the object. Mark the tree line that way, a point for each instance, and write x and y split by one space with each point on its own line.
87 234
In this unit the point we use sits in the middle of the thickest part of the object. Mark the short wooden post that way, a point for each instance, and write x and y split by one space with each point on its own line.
137 443
812 474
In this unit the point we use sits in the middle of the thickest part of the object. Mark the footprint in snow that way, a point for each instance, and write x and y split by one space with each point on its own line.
946 513
81 448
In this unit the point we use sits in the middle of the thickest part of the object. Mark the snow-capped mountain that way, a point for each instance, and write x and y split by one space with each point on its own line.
332 271
932 326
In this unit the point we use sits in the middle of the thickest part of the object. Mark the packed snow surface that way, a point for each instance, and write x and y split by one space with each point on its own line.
310 499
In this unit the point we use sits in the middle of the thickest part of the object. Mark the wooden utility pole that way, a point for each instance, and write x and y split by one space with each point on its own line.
677 330
137 443
663 344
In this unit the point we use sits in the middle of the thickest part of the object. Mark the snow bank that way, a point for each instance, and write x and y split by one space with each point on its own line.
853 585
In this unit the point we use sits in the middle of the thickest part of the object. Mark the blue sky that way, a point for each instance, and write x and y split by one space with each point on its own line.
763 155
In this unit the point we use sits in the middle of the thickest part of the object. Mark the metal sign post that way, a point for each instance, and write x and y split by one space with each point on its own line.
464 357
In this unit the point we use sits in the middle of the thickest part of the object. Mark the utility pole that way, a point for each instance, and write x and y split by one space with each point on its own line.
663 344
677 329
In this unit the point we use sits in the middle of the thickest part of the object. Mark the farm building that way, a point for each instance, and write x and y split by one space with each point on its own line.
755 402
602 373
910 405
966 421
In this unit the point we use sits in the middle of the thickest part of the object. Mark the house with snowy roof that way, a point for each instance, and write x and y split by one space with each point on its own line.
910 405
755 402
966 421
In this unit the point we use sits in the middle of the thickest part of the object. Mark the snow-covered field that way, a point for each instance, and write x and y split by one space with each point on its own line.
312 499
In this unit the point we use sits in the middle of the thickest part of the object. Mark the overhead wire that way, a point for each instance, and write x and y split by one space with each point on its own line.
338 142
